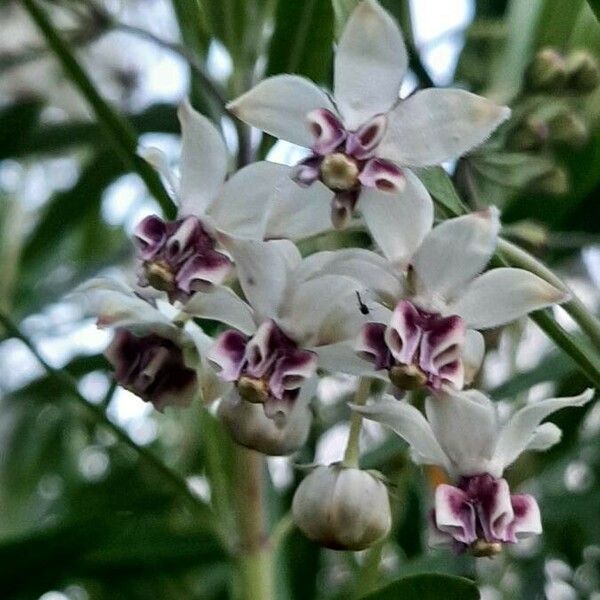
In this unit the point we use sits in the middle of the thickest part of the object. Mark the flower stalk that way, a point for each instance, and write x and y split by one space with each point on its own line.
255 558
352 453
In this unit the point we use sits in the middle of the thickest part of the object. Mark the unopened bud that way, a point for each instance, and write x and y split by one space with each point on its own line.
568 128
342 508
250 427
553 183
583 72
547 70
531 134
339 172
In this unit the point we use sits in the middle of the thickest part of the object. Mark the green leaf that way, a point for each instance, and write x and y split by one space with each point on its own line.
556 22
595 5
440 186
302 42
427 587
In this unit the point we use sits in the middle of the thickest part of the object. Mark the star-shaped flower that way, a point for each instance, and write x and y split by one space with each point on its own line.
463 435
363 138
432 298
292 324
182 256
153 356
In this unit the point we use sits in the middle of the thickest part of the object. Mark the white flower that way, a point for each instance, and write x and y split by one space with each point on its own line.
363 138
292 324
462 434
154 357
182 256
433 298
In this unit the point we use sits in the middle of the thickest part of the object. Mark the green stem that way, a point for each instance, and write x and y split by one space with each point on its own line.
118 131
581 315
255 558
352 453
96 414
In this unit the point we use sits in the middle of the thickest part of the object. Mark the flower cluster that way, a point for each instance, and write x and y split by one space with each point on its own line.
283 320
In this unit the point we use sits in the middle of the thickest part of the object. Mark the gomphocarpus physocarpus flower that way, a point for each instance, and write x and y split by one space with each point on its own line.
153 357
182 256
292 324
342 508
364 138
432 299
462 434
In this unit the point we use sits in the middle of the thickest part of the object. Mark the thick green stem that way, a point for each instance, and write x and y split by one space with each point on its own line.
255 558
352 453
581 315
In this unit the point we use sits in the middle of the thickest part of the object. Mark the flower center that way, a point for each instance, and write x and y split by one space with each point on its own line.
178 257
152 367
267 368
417 348
339 171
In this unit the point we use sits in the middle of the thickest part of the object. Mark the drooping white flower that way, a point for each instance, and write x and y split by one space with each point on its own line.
363 138
433 299
183 256
292 324
463 435
156 358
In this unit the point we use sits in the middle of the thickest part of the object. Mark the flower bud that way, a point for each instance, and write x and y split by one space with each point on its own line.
342 508
547 70
583 72
531 134
249 426
553 183
568 128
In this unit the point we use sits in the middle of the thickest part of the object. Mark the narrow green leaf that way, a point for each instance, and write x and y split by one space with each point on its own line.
302 42
595 5
440 186
427 587
557 20
117 129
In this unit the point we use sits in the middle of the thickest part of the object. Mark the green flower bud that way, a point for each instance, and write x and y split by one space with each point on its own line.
554 183
249 426
583 72
531 134
568 128
547 70
342 508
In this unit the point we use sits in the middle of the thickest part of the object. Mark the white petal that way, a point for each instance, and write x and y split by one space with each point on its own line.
297 212
159 161
454 252
436 125
464 424
372 270
310 303
211 385
517 434
370 63
279 105
117 305
223 305
473 354
503 295
544 437
410 425
203 161
242 207
398 221
264 270
342 358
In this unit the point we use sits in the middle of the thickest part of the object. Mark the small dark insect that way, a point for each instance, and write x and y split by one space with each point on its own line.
364 309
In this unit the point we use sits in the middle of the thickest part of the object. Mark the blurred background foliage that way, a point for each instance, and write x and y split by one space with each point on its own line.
87 509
